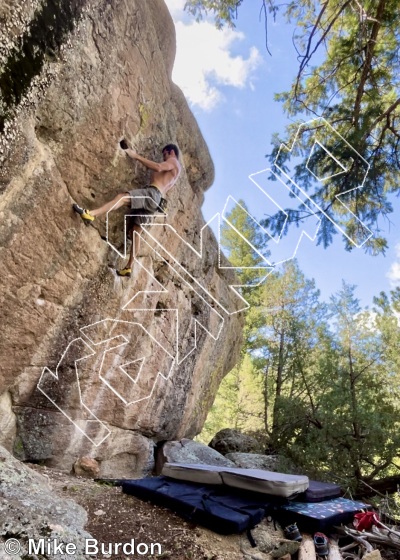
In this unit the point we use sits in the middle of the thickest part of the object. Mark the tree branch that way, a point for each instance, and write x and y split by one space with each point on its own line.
388 111
307 57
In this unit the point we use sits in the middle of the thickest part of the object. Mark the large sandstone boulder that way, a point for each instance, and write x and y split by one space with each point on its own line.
30 509
229 440
92 364
189 452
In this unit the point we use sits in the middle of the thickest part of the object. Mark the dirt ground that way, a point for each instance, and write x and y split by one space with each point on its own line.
115 517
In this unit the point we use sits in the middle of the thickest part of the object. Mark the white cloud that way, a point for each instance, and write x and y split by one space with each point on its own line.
394 271
204 61
175 7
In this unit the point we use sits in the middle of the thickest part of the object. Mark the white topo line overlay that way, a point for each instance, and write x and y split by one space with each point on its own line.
77 344
150 216
321 126
197 285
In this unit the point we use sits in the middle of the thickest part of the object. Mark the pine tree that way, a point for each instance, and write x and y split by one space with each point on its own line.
357 433
239 402
292 315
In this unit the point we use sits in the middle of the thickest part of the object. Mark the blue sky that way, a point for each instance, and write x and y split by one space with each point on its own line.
230 80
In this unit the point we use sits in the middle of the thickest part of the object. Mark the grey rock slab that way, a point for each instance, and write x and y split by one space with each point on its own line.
255 461
31 509
190 452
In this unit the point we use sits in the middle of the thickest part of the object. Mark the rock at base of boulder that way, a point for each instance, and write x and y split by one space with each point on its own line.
189 452
233 441
30 509
86 467
124 454
255 461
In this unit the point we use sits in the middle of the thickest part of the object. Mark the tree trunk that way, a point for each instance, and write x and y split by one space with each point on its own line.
266 397
384 485
278 390
354 413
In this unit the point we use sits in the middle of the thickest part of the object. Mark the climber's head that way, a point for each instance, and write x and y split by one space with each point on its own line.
170 149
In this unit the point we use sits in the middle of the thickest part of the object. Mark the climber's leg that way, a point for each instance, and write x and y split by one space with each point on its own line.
122 199
135 245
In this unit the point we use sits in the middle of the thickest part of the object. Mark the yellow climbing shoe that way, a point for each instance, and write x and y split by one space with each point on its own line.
125 272
84 214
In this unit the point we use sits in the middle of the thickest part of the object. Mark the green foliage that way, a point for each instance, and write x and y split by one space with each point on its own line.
238 245
239 402
354 429
224 11
320 382
356 88
292 316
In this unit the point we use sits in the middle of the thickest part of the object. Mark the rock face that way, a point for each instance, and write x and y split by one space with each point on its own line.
94 365
229 440
29 509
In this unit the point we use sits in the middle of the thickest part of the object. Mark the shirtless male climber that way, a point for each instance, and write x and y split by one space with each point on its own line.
144 202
